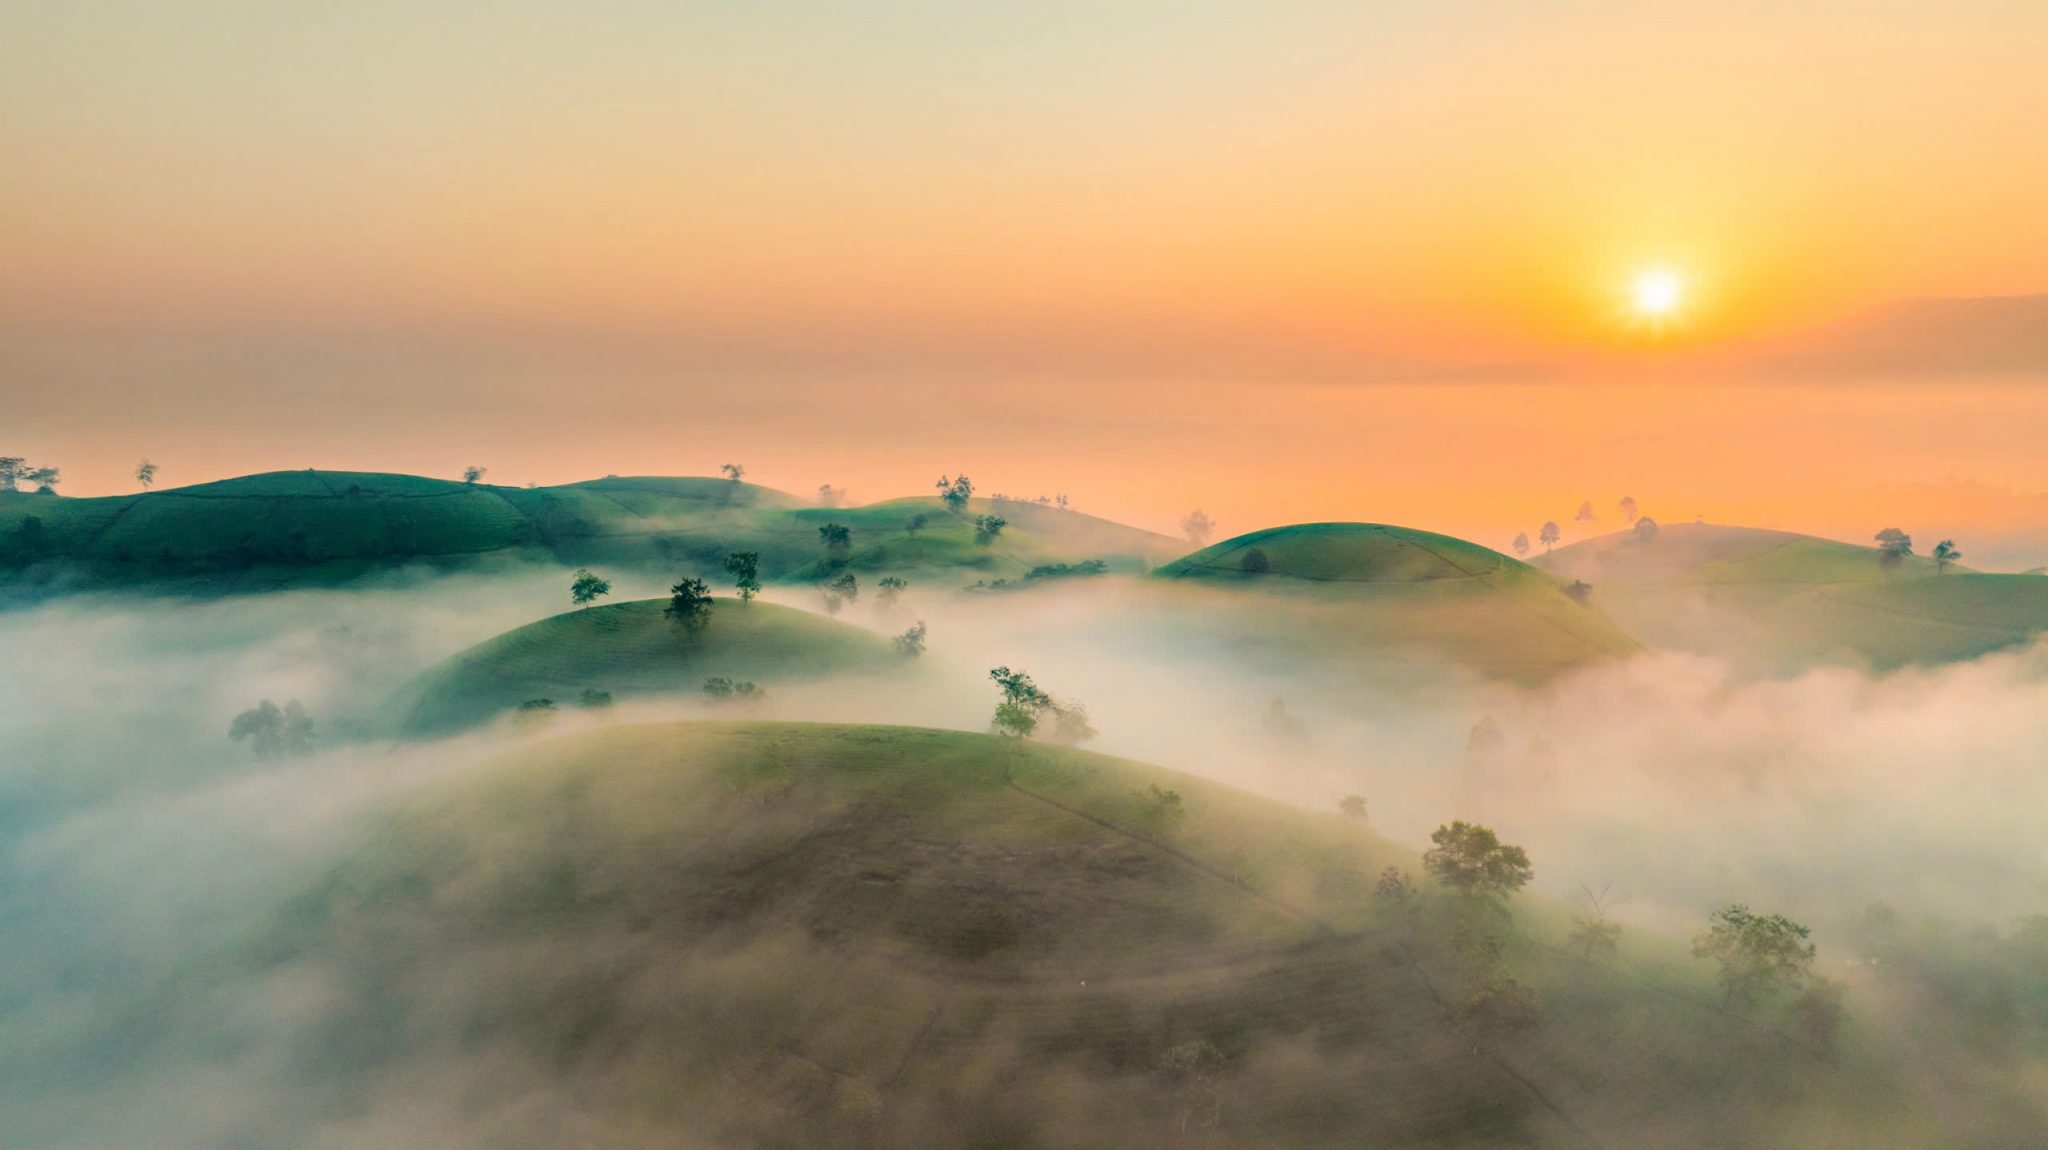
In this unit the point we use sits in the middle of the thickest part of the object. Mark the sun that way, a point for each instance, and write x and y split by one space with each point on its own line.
1658 292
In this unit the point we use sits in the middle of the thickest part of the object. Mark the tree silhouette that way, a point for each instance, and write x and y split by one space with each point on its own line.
1646 529
1893 545
1197 527
955 492
472 473
587 589
745 569
1549 535
732 471
689 606
1945 553
1521 543
145 474
1628 508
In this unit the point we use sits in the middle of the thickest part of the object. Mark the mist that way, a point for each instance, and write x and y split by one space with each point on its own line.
142 848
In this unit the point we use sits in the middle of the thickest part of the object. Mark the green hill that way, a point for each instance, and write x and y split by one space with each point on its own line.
1384 598
311 528
632 649
800 934
1785 601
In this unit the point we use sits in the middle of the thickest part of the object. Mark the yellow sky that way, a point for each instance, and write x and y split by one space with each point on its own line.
1150 194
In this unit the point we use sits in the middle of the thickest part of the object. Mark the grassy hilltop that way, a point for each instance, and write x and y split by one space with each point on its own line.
1788 601
312 528
631 649
731 934
1376 596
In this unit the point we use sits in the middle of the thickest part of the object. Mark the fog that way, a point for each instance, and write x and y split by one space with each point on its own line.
137 843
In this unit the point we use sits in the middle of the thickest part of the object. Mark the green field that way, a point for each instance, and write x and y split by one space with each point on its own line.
314 528
1786 601
632 649
1372 596
802 934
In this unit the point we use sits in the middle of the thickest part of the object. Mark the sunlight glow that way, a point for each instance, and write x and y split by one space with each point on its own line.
1657 292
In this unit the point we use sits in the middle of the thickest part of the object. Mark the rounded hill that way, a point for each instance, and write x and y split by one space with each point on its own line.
794 934
1384 600
634 649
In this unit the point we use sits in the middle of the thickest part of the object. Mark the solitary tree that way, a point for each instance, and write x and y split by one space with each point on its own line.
1161 810
838 539
1893 545
1061 502
1586 514
1945 553
1022 703
1592 935
1628 508
1352 807
911 643
1758 953
472 473
689 606
1472 860
1521 543
988 527
1197 527
955 492
587 589
1549 535
1646 530
12 469
145 474
840 590
745 569
1255 562
830 496
891 590
732 471
915 523
272 730
44 479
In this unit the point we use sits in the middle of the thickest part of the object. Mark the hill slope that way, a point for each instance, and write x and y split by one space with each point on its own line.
309 528
1374 595
1784 601
800 935
633 649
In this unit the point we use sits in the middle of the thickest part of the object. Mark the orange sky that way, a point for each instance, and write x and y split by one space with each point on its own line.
1161 245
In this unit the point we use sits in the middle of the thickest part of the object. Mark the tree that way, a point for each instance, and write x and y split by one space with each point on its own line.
1758 953
1945 553
1549 535
1194 1072
891 590
732 471
1060 501
593 699
987 528
955 492
1197 527
44 479
1521 543
1017 714
720 689
145 474
587 589
915 523
12 469
1586 514
689 606
1580 592
1255 562
1471 859
272 730
1160 810
840 590
32 539
1646 530
830 496
1628 508
1352 807
745 569
1893 545
911 643
837 538
1592 935
473 473
1070 723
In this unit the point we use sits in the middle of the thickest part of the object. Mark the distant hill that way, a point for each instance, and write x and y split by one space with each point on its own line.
629 649
313 528
807 935
1987 335
1374 597
1785 601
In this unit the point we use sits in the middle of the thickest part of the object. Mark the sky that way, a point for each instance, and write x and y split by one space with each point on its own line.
1285 260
